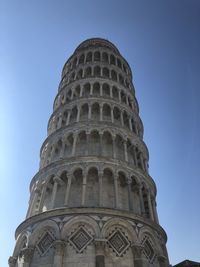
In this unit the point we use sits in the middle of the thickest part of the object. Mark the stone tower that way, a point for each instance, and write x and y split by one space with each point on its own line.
93 202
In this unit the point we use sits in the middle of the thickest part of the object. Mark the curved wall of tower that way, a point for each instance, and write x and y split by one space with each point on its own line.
93 202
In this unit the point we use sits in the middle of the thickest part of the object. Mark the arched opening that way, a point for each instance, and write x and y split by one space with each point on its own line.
74 62
108 192
81 144
123 191
61 190
112 59
119 64
89 57
57 150
92 189
117 116
121 79
96 89
86 90
97 56
145 201
106 73
76 189
64 118
106 90
115 93
88 72
68 96
79 74
73 116
130 151
84 112
119 144
77 91
68 145
135 196
113 75
126 119
123 97
94 143
95 112
107 145
97 71
105 57
81 59
106 112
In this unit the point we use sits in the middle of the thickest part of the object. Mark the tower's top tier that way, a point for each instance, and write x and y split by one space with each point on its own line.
97 42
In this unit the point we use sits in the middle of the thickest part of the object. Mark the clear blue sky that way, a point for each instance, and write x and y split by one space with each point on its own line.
161 41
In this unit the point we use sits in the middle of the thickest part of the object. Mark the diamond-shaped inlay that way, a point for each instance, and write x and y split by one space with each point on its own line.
148 249
46 241
80 239
118 242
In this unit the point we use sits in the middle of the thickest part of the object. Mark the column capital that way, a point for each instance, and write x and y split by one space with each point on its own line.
12 261
100 246
27 254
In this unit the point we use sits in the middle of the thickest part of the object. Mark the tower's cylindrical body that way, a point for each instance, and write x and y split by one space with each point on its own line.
92 203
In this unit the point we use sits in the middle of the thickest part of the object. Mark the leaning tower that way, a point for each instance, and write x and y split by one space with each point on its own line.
93 202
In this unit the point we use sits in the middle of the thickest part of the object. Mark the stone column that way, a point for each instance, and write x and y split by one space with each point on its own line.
54 192
150 205
135 156
101 112
78 114
32 202
119 96
121 118
112 115
81 91
101 143
141 200
155 210
163 261
101 89
116 192
100 188
125 151
141 161
130 202
84 188
68 190
44 189
12 261
60 120
87 144
74 145
68 117
137 255
26 254
114 147
130 125
99 251
59 252
89 112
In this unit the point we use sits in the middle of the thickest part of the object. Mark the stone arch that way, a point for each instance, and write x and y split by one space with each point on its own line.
68 144
94 143
84 112
88 72
79 74
92 188
117 115
97 56
86 90
108 194
21 243
115 93
95 112
107 144
89 57
77 91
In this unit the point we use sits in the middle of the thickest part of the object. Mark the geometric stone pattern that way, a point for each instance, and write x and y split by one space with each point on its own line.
46 241
119 243
148 249
80 239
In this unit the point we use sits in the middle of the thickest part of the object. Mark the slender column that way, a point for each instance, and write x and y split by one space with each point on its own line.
44 189
52 153
130 202
89 112
78 114
60 121
114 147
137 255
101 189
68 117
101 143
81 91
141 161
119 92
84 188
111 92
87 144
101 89
116 192
27 254
125 151
135 156
68 190
155 210
126 100
62 151
112 115
59 252
54 192
74 145
150 206
12 261
141 200
101 112
99 251
130 125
